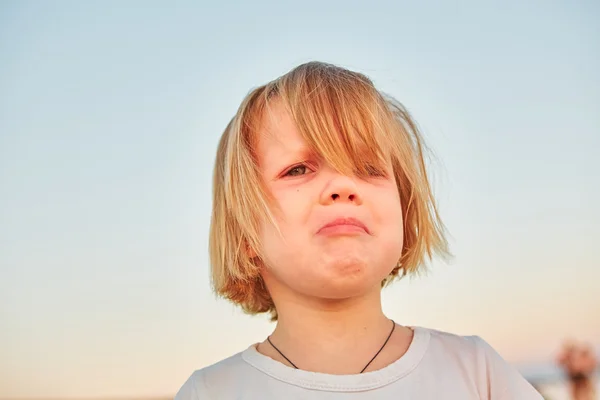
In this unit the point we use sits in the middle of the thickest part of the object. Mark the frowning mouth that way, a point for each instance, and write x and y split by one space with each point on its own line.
343 226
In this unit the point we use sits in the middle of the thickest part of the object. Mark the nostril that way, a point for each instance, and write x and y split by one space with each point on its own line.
335 196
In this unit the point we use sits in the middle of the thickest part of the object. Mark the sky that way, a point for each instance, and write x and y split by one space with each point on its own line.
110 113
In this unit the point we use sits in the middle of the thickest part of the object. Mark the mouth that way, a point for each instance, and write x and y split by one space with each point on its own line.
343 226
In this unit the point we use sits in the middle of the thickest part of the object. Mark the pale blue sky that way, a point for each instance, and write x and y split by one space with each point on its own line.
110 114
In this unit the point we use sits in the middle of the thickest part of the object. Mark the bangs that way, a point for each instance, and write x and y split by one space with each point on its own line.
341 117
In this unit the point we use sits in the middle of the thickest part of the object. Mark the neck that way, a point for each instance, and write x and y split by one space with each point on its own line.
336 337
318 320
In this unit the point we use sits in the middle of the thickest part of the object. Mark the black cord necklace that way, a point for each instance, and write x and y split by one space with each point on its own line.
363 370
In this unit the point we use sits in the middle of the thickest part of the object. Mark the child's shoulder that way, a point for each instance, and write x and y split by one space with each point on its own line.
213 377
466 342
451 337
223 368
477 361
456 347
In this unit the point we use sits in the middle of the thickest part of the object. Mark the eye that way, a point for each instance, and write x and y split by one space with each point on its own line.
297 170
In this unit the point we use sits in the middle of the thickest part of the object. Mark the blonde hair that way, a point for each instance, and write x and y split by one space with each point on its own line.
354 128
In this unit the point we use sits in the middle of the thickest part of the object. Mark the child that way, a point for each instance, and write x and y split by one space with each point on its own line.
321 197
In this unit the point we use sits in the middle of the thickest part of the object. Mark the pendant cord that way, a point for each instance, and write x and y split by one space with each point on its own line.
363 370
279 351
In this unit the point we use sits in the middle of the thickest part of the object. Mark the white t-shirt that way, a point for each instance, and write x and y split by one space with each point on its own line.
437 365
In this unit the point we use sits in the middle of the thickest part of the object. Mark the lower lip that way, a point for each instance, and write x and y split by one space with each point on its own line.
342 230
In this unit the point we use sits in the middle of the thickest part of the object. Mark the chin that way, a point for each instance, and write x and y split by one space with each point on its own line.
348 278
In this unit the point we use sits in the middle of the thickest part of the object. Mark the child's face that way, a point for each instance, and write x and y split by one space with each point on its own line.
308 258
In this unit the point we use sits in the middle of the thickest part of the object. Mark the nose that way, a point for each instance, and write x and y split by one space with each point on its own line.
341 189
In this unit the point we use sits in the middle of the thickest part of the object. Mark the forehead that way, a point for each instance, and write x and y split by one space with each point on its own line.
278 135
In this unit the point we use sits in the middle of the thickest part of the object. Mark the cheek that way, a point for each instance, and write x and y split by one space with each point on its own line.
292 208
388 205
280 242
271 244
389 215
